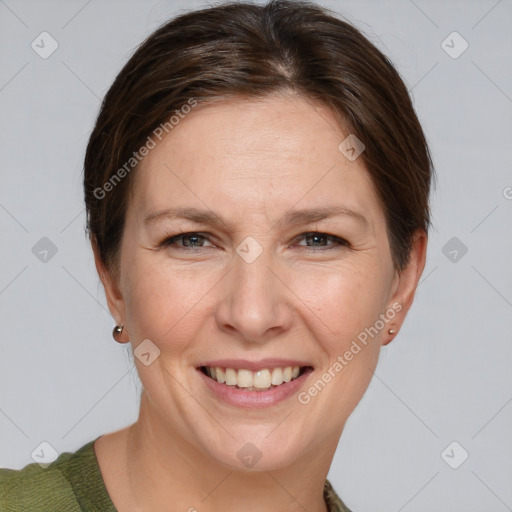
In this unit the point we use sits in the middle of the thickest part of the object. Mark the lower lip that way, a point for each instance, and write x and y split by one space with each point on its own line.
254 399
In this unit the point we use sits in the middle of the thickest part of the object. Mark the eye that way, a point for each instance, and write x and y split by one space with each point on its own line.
194 240
313 238
190 240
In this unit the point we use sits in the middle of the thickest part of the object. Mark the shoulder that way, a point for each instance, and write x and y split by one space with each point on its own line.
333 501
37 488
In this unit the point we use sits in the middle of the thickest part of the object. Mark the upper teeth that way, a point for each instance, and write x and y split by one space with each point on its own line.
261 379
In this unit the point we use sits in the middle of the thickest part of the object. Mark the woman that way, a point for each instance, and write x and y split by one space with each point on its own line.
257 189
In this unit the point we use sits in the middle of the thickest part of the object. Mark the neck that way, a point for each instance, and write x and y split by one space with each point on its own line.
165 471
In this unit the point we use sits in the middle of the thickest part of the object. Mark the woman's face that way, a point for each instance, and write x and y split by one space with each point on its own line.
247 283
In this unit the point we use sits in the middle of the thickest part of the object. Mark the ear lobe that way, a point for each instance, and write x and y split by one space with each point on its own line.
406 282
113 295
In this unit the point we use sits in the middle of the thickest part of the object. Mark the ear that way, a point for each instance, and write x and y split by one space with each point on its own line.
406 282
113 295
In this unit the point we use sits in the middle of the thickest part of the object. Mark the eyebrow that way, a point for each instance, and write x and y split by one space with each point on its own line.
292 217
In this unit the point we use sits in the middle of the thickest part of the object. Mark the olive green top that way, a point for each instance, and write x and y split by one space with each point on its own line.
73 483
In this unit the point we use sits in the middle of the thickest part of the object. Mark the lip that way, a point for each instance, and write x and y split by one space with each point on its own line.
244 364
254 399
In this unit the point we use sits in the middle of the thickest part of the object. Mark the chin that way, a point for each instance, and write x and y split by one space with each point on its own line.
255 450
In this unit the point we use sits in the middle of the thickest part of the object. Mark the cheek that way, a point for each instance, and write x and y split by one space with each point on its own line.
344 299
346 308
160 303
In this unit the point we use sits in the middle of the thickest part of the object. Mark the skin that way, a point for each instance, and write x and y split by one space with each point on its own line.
249 162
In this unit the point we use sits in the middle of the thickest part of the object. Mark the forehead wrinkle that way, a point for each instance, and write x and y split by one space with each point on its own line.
292 217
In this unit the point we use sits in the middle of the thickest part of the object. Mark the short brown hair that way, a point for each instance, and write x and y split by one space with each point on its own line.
245 50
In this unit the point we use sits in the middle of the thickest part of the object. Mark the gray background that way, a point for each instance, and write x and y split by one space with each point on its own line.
445 378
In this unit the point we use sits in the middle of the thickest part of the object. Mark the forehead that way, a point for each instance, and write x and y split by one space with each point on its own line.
254 155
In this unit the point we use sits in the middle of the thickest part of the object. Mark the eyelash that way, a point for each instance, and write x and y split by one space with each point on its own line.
339 242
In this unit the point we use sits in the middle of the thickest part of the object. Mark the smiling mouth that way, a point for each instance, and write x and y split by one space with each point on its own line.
260 380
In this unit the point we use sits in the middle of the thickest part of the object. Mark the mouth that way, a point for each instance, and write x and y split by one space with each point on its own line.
263 379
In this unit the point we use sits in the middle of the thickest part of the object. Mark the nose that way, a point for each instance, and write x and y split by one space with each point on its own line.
256 304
